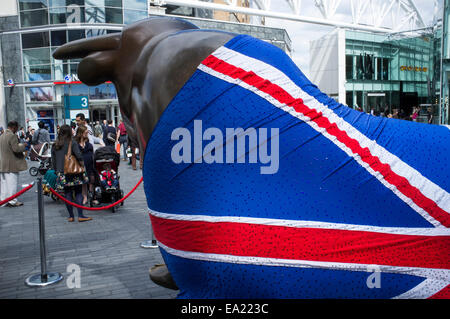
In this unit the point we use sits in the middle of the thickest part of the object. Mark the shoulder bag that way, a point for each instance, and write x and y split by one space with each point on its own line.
71 164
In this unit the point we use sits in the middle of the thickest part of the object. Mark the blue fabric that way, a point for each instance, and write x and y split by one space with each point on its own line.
316 181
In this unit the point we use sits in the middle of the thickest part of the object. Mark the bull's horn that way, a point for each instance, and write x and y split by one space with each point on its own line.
83 47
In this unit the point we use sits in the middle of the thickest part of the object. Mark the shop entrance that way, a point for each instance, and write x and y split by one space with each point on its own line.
376 101
407 101
99 115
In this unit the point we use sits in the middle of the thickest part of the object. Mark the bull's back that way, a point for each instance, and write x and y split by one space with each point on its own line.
346 191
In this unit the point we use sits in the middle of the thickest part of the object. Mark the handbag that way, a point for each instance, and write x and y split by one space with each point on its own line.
71 164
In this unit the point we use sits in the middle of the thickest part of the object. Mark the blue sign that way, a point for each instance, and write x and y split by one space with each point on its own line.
76 102
71 103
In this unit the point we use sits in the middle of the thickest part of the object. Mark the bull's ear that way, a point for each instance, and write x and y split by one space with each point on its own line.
81 48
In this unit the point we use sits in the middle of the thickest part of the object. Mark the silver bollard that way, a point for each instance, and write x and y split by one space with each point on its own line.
150 243
44 278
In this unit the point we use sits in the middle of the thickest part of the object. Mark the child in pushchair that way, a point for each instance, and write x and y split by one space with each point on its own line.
108 177
107 185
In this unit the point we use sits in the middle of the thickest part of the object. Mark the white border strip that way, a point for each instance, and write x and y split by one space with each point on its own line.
437 279
432 231
440 196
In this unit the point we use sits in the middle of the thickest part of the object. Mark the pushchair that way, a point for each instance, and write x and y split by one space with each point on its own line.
106 159
42 154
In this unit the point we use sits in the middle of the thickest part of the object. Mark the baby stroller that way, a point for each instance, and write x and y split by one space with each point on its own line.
40 153
107 187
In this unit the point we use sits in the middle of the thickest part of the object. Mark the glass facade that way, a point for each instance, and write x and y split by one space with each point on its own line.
50 90
387 72
53 12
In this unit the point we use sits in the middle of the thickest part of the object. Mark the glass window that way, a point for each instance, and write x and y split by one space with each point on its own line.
60 70
349 67
37 73
75 14
112 94
57 3
76 35
385 69
35 40
79 89
113 15
58 37
95 3
36 56
39 94
57 15
131 16
63 3
78 2
98 92
95 15
34 18
73 68
349 98
32 4
95 32
113 3
136 4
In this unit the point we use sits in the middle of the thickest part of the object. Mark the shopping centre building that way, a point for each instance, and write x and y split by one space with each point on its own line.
36 87
380 72
365 69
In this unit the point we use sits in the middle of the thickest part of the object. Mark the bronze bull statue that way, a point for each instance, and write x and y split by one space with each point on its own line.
322 202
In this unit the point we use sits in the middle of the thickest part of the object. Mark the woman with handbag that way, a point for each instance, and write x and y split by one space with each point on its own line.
87 151
67 161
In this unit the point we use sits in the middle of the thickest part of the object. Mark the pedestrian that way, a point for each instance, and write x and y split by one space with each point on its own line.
81 120
12 161
69 183
41 135
123 138
415 114
21 134
98 130
1 130
395 114
28 138
110 134
134 147
430 115
87 151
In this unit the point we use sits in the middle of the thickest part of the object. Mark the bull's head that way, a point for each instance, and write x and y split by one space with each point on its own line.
113 57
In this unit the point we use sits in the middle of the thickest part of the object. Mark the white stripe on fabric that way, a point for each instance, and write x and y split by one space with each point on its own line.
440 196
332 138
432 231
425 289
441 276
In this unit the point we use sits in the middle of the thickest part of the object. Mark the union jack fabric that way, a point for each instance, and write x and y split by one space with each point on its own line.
354 196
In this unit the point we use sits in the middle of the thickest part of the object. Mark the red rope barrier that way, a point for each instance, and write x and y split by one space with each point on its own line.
17 194
97 208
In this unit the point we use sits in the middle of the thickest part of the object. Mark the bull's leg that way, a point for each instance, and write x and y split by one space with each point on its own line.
160 275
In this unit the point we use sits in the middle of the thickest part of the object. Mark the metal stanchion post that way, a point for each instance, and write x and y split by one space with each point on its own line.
150 243
44 278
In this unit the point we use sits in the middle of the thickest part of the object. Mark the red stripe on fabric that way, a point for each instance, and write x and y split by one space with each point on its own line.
443 294
278 93
313 244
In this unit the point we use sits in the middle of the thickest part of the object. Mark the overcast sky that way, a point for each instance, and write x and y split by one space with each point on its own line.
302 33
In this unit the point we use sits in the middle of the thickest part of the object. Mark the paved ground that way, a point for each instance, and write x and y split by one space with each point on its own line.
107 249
